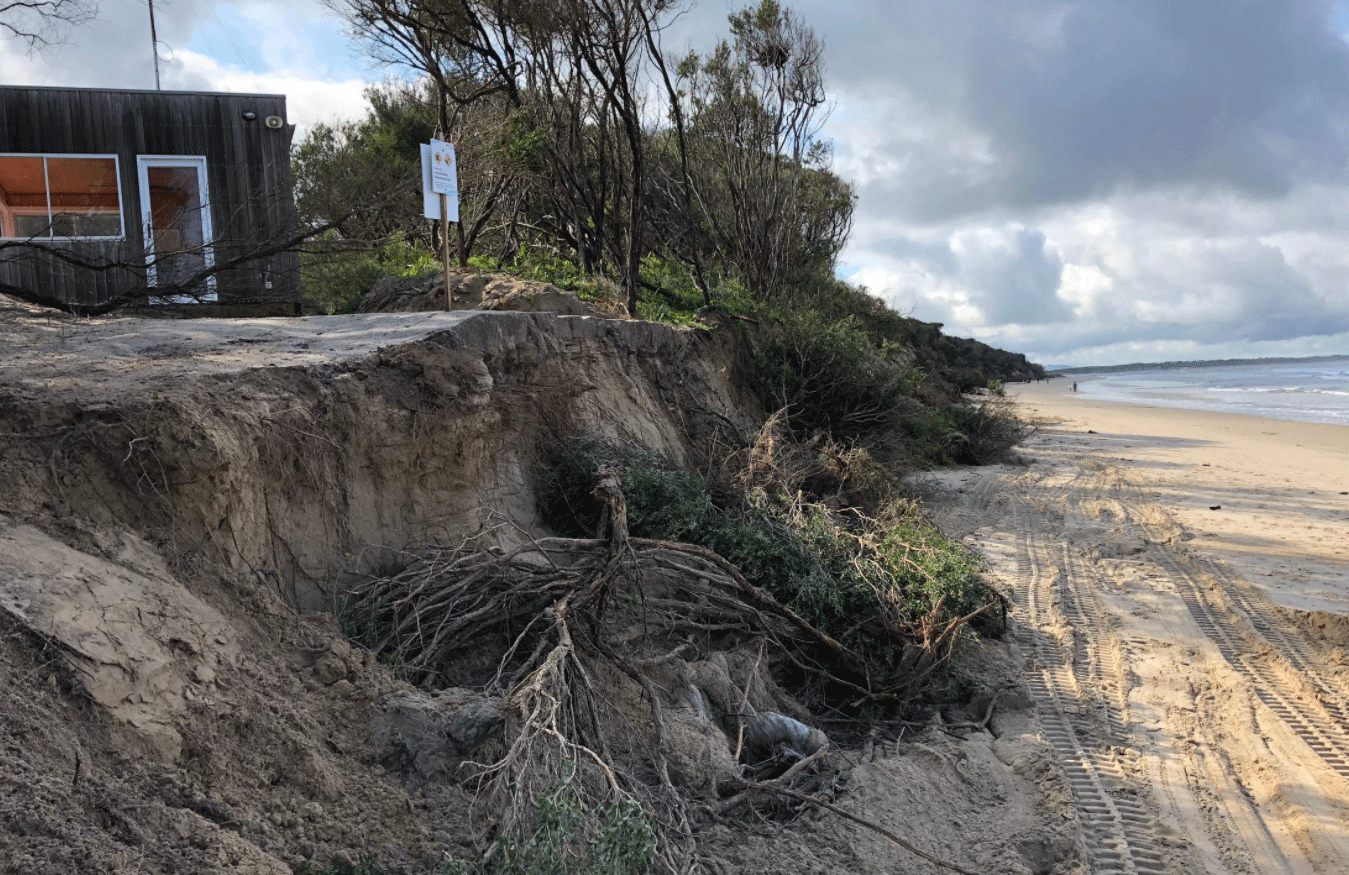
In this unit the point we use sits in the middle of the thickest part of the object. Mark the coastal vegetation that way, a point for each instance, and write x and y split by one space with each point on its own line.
694 190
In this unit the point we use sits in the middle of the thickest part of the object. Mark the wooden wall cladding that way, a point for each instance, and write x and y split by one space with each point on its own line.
249 183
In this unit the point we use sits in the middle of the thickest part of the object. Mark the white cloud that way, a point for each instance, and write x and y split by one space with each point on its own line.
308 101
294 48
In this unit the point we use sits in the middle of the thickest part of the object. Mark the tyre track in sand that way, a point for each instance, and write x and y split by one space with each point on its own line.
1077 686
1281 669
1320 719
1168 794
1181 777
1081 681
1161 674
1285 669
1304 655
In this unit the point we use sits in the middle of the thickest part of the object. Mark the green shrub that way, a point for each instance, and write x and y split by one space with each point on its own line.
934 568
546 265
678 300
986 432
334 280
832 378
959 433
336 276
619 839
927 436
862 582
835 570
965 379
769 553
663 501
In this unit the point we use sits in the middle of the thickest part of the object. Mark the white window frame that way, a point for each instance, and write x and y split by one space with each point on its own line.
143 164
46 180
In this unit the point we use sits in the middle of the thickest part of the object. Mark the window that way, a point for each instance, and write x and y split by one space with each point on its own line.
59 197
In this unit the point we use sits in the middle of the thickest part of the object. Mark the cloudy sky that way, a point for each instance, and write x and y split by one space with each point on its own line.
1086 181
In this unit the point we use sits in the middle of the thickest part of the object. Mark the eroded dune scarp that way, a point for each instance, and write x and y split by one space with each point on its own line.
182 504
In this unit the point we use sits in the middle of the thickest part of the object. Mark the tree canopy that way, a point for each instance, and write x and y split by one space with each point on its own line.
579 136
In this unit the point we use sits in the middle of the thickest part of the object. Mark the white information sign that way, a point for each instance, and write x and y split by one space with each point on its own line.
444 174
430 192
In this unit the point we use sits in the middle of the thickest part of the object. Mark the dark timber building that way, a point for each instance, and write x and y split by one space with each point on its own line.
114 195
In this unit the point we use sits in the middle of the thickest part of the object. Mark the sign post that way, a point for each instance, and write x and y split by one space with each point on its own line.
445 246
440 196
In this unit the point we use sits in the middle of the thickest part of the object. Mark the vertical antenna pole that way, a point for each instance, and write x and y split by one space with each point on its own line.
154 43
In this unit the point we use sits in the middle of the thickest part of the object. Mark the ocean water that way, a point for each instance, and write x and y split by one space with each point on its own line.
1304 392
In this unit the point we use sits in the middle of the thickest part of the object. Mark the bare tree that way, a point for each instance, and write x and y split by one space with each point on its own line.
574 68
468 52
43 23
756 105
585 83
592 144
467 48
610 36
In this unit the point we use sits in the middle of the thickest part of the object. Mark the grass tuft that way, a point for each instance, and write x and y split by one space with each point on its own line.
619 839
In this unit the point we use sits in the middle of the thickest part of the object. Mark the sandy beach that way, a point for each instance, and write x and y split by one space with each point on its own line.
1180 589
1281 488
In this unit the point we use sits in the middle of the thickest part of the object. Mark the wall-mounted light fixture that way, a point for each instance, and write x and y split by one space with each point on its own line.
250 115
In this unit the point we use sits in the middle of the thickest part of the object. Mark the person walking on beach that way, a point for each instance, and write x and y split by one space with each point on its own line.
1074 385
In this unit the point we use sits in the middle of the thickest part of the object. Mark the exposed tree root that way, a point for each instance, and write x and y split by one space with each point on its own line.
631 670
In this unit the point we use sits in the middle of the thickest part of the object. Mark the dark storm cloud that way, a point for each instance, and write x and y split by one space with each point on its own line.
1075 100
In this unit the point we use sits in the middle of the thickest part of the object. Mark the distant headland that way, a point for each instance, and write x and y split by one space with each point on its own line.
1172 366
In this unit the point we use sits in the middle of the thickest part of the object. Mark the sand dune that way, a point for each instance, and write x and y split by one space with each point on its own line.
1181 591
